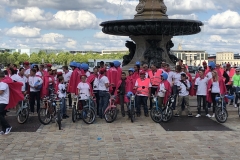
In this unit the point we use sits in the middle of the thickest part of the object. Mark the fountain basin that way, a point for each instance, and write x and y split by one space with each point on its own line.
136 27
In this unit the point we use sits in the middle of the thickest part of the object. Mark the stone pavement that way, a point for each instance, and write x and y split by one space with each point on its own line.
121 140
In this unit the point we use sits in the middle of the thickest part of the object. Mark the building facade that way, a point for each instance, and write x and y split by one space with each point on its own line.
191 57
227 57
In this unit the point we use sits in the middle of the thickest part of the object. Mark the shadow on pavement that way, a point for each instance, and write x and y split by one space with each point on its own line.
193 124
31 125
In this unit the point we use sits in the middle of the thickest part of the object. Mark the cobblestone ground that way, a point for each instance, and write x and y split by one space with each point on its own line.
121 140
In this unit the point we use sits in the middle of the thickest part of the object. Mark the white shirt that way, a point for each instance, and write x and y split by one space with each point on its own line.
39 74
96 84
202 86
177 77
27 72
23 80
60 88
215 87
170 77
32 81
88 73
183 91
104 80
14 77
209 75
162 90
67 76
84 90
4 98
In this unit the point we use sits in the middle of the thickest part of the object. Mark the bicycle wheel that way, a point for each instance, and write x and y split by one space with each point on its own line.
59 119
44 116
88 115
156 115
74 114
132 114
110 115
221 115
22 117
167 114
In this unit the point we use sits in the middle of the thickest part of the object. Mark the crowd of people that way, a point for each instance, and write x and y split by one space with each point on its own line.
143 80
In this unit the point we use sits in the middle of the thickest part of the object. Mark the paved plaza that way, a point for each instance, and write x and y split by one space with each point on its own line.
122 140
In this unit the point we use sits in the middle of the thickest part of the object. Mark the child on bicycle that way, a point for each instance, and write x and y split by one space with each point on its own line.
62 95
84 90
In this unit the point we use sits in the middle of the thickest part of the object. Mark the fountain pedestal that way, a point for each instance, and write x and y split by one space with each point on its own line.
143 45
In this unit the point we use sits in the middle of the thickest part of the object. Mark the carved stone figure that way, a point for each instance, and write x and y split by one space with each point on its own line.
132 48
163 8
153 55
140 7
172 57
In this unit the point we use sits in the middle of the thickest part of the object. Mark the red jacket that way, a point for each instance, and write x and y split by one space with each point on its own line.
126 90
74 80
168 92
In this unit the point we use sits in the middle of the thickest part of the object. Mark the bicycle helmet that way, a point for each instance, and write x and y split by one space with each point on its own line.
73 64
79 65
116 63
164 75
212 65
85 66
138 63
32 66
131 70
129 94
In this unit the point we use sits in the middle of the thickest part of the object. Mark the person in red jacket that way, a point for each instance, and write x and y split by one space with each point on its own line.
74 80
121 91
112 75
131 79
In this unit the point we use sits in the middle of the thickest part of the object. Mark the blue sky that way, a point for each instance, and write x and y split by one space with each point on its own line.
74 24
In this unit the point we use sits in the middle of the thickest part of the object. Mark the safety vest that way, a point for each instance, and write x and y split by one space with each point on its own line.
143 86
231 74
156 78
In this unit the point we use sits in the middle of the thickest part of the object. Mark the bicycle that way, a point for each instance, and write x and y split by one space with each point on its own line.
75 110
156 112
221 113
23 110
48 111
58 118
167 111
89 111
131 106
110 113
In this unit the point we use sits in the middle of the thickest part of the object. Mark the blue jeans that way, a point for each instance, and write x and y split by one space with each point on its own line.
63 106
141 100
104 97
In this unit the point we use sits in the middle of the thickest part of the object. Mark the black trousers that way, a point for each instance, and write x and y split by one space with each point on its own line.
153 91
69 99
200 99
4 122
96 93
34 96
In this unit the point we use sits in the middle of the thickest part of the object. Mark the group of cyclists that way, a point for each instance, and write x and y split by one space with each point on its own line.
142 80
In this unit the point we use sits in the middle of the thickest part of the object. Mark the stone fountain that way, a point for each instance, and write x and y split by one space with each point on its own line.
152 31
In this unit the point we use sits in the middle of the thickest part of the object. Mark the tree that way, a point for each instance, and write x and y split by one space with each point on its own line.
11 59
22 58
34 58
62 58
16 54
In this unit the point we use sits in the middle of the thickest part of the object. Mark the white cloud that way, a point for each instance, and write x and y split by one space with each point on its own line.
23 32
2 11
190 16
71 43
217 38
71 20
227 19
28 14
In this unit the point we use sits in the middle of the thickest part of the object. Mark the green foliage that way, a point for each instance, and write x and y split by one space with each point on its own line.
62 58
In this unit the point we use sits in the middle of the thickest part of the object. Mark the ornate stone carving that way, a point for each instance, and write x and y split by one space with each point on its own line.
153 55
172 57
132 48
163 8
140 7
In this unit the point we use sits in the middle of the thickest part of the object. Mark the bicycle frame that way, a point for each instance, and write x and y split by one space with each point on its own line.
155 100
23 104
111 104
132 100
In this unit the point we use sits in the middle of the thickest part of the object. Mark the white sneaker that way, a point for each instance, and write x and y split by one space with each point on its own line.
213 115
1 133
198 115
208 115
8 130
235 105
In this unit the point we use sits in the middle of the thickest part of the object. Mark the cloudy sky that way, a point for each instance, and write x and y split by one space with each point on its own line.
74 24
